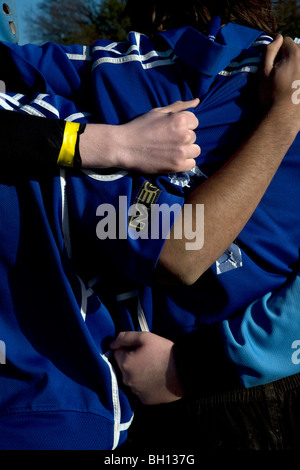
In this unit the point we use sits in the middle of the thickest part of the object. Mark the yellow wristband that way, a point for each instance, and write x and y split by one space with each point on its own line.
67 151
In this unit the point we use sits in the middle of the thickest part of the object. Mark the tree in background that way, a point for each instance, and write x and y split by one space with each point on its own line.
288 17
84 21
78 21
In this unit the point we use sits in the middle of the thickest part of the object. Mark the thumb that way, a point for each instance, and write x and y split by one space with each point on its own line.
271 53
179 106
126 339
288 47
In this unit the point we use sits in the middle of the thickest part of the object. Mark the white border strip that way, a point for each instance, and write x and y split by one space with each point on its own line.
142 317
6 106
75 116
39 100
115 401
12 99
86 54
253 69
102 177
132 58
31 110
64 212
84 296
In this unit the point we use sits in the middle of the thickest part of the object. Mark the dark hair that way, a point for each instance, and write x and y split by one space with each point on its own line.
152 16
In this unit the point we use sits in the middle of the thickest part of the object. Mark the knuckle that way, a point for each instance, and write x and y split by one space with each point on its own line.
177 167
121 357
179 160
181 153
180 120
185 137
127 381
118 357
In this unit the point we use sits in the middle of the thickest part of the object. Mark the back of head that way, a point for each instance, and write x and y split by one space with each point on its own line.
152 16
8 22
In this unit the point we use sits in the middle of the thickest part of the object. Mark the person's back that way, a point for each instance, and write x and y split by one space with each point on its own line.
58 390
161 74
265 255
221 68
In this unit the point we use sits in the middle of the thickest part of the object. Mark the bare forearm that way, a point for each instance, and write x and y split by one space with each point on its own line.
159 141
96 149
251 169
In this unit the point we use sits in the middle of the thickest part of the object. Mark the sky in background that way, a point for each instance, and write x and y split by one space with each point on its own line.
24 9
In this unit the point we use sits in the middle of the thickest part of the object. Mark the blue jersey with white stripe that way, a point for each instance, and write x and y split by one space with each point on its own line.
114 82
59 389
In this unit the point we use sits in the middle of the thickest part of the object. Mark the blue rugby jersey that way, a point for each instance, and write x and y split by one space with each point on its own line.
59 389
130 78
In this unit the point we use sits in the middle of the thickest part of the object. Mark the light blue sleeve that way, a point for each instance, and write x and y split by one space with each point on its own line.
263 341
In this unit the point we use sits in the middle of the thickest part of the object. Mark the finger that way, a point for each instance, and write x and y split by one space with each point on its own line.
182 121
271 53
126 339
191 137
288 47
180 106
121 356
187 139
194 152
189 164
192 120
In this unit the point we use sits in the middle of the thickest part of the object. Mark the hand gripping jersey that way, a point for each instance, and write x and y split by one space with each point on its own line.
112 83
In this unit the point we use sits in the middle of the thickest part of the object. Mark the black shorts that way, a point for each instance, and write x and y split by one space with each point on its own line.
260 418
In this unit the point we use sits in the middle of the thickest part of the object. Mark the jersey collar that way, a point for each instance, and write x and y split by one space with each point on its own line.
213 53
